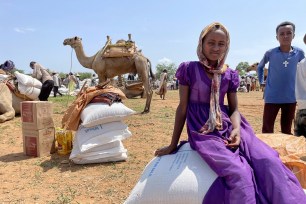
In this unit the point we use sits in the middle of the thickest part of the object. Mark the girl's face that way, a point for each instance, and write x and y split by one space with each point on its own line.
214 45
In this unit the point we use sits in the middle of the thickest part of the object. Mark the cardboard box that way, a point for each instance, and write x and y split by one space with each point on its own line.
38 143
36 115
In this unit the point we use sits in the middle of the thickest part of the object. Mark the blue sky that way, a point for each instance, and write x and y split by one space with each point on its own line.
165 30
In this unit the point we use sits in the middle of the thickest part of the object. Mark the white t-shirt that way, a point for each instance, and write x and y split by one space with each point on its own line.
300 85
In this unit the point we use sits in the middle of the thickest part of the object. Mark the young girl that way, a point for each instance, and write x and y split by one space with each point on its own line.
249 170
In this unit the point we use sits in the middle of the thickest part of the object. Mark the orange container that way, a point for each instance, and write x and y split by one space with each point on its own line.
64 141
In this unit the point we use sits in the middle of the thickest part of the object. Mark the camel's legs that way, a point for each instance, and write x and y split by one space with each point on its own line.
7 116
148 101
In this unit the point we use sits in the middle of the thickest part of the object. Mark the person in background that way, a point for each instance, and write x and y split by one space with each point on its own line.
176 84
248 83
66 81
131 77
40 73
72 83
8 66
162 90
300 93
249 171
253 83
93 80
172 84
56 80
77 77
279 91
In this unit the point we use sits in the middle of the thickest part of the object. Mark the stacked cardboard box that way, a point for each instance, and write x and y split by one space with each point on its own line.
37 128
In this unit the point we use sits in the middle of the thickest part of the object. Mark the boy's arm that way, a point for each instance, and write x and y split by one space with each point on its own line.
260 68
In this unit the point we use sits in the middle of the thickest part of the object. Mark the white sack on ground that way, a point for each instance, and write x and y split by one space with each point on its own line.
180 178
116 158
88 138
100 113
27 80
86 133
104 151
104 138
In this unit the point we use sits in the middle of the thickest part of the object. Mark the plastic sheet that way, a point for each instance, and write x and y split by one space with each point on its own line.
292 151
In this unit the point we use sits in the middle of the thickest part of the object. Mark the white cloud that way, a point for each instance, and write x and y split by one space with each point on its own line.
165 61
24 30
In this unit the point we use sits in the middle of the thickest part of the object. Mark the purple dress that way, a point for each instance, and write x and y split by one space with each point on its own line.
253 173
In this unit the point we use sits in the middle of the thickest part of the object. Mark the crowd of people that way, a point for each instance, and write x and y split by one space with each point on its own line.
248 83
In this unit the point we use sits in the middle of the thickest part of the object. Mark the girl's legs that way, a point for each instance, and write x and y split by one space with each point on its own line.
235 170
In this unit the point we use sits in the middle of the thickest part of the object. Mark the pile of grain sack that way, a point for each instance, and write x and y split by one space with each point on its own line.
99 137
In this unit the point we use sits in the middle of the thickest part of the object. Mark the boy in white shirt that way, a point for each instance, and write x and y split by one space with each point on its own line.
300 94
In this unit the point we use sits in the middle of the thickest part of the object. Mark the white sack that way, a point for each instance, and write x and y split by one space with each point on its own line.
3 77
100 113
103 151
179 178
105 138
27 80
29 91
115 158
88 138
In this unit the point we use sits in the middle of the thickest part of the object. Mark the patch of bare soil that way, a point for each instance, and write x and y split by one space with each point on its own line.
55 179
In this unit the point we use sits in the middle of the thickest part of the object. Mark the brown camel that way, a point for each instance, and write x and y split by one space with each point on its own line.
253 67
107 68
9 103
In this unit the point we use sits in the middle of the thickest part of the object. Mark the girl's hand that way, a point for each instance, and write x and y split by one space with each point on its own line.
234 139
164 150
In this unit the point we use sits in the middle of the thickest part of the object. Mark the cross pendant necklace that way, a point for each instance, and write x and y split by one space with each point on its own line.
286 59
285 63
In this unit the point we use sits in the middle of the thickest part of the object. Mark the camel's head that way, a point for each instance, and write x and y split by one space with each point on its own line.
73 42
253 67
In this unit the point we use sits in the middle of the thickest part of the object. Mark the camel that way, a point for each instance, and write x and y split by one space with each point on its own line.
133 90
109 67
253 67
9 103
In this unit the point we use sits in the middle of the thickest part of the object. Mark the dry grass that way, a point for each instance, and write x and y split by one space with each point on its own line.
51 179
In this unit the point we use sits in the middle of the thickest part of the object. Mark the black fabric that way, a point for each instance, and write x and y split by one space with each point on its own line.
46 89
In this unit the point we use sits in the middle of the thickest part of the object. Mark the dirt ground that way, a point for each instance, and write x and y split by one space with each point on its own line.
55 179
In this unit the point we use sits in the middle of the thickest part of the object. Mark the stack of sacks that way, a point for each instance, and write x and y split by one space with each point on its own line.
99 137
28 85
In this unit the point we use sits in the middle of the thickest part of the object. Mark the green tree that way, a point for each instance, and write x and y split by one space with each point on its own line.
18 70
170 67
83 75
242 68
